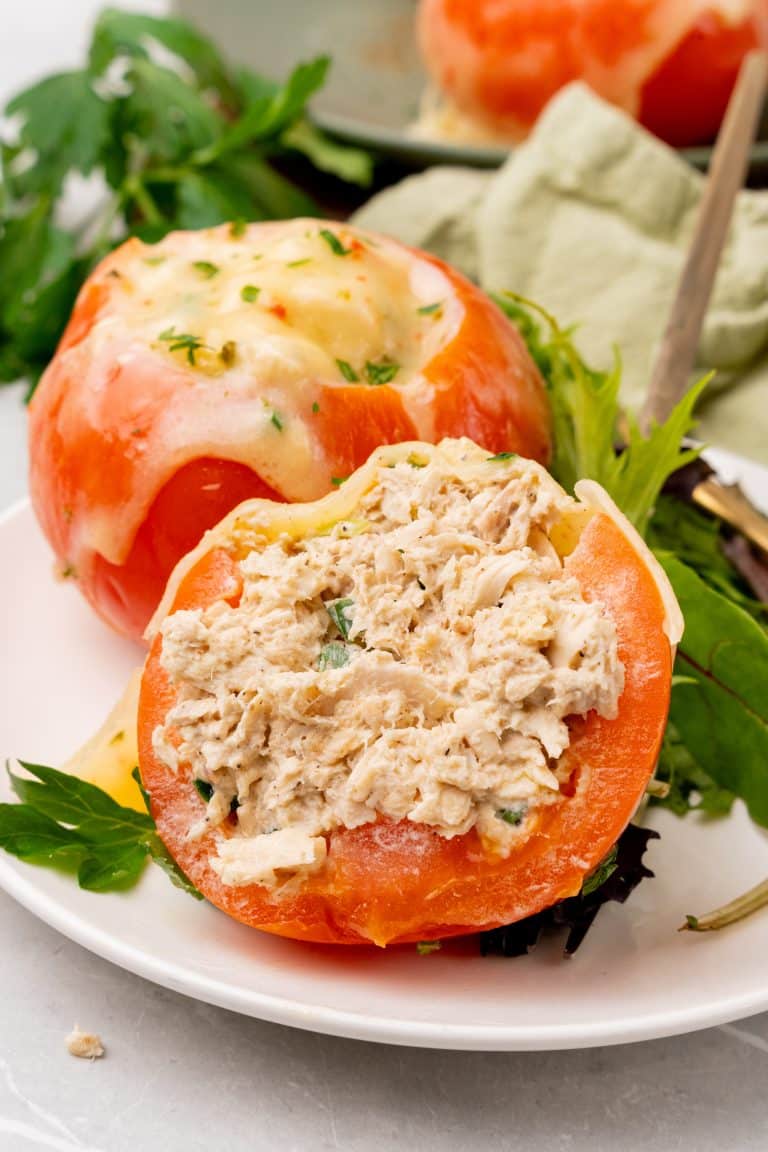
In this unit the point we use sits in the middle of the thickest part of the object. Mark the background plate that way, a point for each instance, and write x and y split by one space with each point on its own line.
376 81
636 977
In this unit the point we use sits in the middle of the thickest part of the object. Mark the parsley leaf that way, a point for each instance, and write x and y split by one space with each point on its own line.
338 611
206 269
334 243
382 372
249 293
64 822
333 655
182 342
347 371
183 141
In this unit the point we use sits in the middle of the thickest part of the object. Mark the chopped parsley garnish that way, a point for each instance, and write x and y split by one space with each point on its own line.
249 293
428 309
237 228
337 481
277 420
347 371
426 947
337 610
512 816
334 243
381 373
153 261
206 269
502 456
182 341
315 407
333 655
203 789
298 263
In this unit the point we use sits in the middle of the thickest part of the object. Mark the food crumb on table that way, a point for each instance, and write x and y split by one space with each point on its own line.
86 1045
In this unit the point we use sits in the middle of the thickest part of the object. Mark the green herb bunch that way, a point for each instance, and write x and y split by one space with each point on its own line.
181 139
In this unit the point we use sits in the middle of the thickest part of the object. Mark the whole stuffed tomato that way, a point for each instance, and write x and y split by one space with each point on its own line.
670 63
261 361
425 705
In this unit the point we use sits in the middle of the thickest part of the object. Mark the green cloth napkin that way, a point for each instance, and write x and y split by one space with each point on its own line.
591 217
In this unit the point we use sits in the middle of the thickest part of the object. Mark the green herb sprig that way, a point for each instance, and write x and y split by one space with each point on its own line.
63 822
188 142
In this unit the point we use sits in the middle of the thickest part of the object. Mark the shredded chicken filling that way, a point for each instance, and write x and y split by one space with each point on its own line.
417 662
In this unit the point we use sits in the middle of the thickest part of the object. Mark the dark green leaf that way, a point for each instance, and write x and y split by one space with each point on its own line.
166 116
723 717
108 868
213 197
73 801
690 788
203 789
33 836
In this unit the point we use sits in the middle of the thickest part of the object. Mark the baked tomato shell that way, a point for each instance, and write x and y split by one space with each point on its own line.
389 882
121 497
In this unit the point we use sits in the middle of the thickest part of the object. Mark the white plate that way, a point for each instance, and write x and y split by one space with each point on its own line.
634 978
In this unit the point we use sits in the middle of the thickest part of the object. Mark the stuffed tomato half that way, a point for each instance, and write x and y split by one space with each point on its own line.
425 705
259 361
672 64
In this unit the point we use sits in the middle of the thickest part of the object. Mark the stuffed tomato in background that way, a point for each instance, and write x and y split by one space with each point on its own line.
670 63
258 361
425 705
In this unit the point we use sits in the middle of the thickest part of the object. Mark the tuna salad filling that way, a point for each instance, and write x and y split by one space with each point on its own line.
416 661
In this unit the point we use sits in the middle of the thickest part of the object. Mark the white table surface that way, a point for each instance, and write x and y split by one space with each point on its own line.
182 1075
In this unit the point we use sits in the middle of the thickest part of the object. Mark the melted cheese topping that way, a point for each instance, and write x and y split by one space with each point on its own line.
416 660
228 340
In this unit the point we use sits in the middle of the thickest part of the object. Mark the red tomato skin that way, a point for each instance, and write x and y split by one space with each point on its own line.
502 62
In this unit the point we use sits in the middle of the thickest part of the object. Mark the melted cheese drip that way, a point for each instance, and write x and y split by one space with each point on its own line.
109 757
229 341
